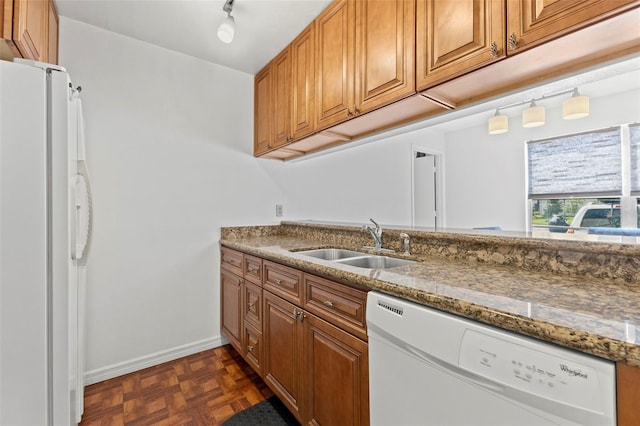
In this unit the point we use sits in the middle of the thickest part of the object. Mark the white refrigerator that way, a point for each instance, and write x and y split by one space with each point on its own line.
45 221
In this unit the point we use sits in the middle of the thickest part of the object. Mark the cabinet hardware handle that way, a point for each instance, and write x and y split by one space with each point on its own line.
513 41
355 110
251 270
239 281
250 348
328 303
295 314
349 113
302 316
494 49
251 304
277 281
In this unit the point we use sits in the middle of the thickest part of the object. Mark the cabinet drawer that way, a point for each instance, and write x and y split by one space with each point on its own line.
337 303
284 281
253 347
253 305
253 269
231 260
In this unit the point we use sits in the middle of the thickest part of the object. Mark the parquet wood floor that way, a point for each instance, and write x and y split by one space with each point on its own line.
201 389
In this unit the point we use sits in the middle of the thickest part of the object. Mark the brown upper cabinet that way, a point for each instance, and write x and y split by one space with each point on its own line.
29 28
282 122
365 57
532 22
283 95
303 83
380 64
335 69
453 38
262 115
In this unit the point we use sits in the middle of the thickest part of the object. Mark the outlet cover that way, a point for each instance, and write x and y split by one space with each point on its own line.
278 210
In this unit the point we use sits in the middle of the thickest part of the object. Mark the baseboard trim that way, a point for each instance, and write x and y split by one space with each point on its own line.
126 367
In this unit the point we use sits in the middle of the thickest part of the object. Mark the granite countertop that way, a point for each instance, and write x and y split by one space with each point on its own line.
589 314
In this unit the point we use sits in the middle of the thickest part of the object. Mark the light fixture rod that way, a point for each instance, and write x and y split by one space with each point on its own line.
529 101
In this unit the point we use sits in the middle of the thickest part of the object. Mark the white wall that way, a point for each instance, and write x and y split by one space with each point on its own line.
169 142
362 182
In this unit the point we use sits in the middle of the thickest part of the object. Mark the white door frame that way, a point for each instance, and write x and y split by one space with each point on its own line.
440 195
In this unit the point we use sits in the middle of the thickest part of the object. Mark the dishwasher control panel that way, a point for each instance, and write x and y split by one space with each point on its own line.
561 379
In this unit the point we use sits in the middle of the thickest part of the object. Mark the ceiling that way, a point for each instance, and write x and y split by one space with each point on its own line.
263 27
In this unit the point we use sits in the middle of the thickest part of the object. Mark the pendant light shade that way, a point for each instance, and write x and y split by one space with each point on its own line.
227 29
498 124
576 106
533 116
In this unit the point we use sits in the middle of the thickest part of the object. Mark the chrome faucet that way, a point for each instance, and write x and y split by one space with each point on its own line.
376 233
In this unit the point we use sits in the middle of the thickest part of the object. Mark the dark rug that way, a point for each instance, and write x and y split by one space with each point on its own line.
270 412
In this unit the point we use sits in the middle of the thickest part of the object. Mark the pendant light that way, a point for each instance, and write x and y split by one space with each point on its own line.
499 123
533 116
576 106
227 28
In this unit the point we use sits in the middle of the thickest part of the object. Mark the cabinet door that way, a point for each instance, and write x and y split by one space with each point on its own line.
385 51
303 88
262 112
283 351
531 22
52 34
335 29
252 306
29 28
628 394
337 375
253 347
231 308
453 38
281 69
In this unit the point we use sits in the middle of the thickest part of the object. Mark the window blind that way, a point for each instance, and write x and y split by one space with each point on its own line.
585 164
634 139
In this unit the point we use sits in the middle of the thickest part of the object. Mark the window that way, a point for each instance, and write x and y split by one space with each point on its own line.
586 180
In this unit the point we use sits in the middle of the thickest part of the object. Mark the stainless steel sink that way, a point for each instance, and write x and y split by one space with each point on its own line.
355 258
376 262
331 253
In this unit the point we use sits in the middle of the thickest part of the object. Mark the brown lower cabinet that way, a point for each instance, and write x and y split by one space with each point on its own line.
316 359
317 363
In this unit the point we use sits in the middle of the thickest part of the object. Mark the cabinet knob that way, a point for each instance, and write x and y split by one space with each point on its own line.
355 110
277 281
513 41
251 304
494 49
239 281
328 303
349 113
251 270
249 348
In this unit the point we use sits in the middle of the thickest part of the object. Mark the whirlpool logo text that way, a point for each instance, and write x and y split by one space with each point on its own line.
573 371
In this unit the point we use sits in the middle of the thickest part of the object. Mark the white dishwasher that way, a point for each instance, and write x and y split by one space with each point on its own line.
427 367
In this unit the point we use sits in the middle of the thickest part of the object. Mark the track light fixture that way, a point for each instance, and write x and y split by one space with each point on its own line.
227 28
576 106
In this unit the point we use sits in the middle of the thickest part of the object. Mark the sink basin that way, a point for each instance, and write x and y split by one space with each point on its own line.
355 258
376 262
331 253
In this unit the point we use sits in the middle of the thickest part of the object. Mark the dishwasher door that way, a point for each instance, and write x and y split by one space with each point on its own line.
431 368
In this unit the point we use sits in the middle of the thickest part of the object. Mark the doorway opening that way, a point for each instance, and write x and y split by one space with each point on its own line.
427 195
